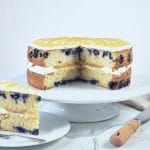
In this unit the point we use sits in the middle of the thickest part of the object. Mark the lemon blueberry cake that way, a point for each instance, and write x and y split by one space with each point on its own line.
105 62
19 109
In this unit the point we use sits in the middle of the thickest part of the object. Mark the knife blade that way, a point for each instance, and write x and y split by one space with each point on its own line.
121 136
144 116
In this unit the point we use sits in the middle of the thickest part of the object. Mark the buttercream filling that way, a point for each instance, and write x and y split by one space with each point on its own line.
110 70
47 70
51 69
3 111
106 48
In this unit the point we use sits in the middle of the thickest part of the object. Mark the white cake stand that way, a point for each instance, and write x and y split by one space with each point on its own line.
82 102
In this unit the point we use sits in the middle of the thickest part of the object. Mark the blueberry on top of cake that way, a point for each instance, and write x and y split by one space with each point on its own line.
64 59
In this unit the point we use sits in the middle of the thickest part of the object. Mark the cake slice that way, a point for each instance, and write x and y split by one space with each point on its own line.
19 108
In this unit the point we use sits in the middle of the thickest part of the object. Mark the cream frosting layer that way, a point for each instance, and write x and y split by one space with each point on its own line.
48 70
109 70
108 44
3 111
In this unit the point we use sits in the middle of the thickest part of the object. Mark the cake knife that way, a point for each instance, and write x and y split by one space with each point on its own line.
124 133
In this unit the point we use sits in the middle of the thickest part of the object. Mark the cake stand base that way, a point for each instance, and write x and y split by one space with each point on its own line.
83 112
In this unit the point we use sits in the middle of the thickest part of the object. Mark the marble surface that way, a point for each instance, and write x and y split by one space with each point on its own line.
95 136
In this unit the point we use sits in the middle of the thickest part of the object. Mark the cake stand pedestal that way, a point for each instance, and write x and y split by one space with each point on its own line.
80 102
83 112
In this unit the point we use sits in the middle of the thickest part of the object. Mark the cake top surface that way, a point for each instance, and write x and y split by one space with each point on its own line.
66 42
14 87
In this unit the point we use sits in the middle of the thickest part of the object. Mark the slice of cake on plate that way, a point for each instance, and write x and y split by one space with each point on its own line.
19 108
102 61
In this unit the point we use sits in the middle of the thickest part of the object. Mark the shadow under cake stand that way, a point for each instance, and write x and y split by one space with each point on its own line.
83 102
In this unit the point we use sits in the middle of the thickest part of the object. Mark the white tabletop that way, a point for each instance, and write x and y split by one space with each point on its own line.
95 136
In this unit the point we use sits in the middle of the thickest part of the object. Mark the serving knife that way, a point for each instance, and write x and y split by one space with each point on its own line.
121 136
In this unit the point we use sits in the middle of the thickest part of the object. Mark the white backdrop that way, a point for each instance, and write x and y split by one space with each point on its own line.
24 20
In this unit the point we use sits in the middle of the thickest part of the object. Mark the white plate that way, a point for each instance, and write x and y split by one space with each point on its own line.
83 93
138 141
52 127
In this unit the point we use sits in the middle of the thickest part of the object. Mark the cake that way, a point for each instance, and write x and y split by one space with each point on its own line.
19 108
105 62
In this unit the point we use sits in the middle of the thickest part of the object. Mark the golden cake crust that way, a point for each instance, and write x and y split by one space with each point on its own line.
36 80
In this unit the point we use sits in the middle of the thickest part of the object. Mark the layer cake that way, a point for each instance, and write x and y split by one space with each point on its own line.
105 62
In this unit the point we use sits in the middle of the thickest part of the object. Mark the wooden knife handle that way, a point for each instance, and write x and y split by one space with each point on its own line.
124 133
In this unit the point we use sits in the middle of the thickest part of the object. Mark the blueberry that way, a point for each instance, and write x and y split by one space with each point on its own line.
96 52
41 55
35 132
73 52
77 79
90 51
15 96
107 53
38 98
128 81
68 52
35 52
120 85
25 97
93 81
45 55
124 84
2 95
110 56
79 50
76 51
112 85
83 80
24 130
69 81
121 59
63 82
56 84
20 129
